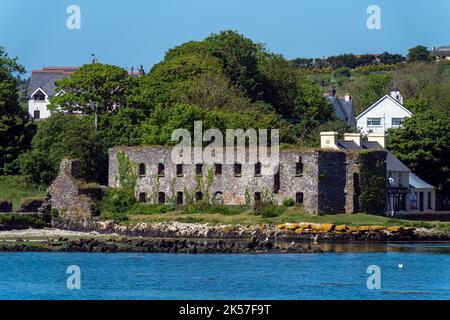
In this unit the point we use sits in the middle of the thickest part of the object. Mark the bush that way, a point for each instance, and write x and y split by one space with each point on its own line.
116 216
271 211
54 213
116 203
62 136
289 202
142 208
19 221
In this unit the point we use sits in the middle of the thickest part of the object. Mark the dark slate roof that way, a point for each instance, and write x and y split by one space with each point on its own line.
443 51
46 78
348 107
392 162
347 145
343 109
371 145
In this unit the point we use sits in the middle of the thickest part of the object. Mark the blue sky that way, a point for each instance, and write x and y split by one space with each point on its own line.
130 32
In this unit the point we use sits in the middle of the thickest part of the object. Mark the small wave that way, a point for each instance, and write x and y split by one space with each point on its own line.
406 292
338 284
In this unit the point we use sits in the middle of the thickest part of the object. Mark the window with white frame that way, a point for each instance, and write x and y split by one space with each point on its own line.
374 121
397 121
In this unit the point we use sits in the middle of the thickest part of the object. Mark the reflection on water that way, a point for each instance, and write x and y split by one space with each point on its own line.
386 247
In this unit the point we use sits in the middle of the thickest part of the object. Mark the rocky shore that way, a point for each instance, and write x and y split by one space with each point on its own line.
147 245
298 232
108 236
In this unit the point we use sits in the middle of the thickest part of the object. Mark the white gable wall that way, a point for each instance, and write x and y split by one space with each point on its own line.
385 109
40 105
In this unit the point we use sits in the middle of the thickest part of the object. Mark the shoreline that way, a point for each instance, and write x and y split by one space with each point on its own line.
201 238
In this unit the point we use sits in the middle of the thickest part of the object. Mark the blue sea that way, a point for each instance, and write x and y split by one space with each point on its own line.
414 271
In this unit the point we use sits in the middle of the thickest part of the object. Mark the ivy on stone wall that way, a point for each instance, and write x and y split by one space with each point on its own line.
127 170
372 178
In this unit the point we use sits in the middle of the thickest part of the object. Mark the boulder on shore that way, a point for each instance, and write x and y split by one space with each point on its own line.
5 206
31 205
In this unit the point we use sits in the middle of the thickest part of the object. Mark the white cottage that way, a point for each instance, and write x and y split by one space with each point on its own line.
42 87
388 112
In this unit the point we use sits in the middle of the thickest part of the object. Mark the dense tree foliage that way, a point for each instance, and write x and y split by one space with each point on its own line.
64 136
368 90
423 144
16 129
350 61
412 78
418 53
93 87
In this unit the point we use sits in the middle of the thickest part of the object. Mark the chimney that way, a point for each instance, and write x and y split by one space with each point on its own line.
141 70
395 93
132 70
348 97
355 137
328 140
377 137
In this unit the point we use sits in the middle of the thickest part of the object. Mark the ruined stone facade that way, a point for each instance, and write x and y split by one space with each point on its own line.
72 197
321 180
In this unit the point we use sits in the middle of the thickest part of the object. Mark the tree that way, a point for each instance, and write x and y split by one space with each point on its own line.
412 78
94 88
342 72
369 89
121 128
214 91
423 144
388 58
16 129
238 56
60 136
168 80
418 53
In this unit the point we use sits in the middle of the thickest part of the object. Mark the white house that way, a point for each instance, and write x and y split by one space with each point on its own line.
42 87
388 112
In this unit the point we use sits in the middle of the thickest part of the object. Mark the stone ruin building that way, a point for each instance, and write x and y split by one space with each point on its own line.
324 181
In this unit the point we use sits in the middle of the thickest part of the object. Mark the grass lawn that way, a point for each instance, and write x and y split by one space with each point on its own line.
293 214
16 189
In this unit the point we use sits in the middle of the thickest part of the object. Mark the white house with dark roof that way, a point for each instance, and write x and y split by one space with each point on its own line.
42 87
343 107
406 192
386 113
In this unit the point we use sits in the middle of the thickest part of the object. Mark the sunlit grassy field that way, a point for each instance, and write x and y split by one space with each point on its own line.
16 189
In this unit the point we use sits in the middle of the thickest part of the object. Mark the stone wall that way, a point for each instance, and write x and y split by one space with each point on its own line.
352 188
72 197
332 180
321 183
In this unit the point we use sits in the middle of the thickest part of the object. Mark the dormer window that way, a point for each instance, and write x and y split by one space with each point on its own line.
39 96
